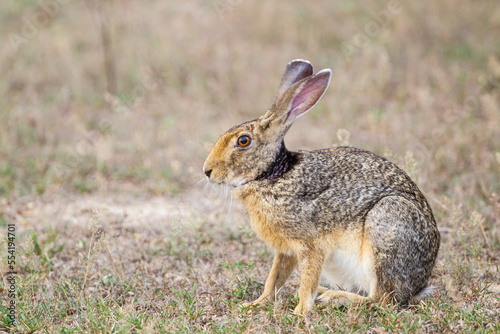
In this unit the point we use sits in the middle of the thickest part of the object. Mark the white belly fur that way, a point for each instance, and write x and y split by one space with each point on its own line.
350 266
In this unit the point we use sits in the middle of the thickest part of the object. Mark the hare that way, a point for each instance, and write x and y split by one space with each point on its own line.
341 212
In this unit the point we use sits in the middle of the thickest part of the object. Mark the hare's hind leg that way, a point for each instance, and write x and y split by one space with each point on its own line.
322 290
283 265
405 243
340 297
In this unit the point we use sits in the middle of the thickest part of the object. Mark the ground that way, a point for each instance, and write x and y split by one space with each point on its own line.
119 263
108 109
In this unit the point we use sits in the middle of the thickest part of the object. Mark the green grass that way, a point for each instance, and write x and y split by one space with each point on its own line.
164 258
189 279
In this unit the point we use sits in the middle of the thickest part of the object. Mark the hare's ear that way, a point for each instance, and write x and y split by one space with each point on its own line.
306 94
295 71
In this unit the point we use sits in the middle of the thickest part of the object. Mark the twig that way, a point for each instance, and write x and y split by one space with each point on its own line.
109 59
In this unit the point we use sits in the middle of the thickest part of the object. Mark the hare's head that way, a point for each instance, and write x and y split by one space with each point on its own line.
248 150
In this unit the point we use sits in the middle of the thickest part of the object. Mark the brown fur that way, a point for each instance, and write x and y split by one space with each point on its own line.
344 212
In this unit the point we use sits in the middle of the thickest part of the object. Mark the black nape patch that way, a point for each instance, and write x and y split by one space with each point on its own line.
283 162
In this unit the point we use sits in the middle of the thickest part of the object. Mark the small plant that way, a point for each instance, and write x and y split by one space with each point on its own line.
187 301
96 243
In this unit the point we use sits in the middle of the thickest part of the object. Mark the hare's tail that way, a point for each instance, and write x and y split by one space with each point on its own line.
425 293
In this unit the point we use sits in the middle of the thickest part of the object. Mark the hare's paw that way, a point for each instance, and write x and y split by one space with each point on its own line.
322 290
258 303
301 309
254 304
339 298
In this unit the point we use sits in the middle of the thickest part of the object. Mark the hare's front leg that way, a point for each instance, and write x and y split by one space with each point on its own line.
283 266
311 266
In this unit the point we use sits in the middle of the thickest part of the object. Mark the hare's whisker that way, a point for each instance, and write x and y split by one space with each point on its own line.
231 200
197 183
211 191
225 198
205 188
220 192
226 193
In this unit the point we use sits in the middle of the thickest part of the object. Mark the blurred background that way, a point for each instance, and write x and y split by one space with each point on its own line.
108 109
129 96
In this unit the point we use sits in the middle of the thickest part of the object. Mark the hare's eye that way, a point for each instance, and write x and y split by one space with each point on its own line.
244 141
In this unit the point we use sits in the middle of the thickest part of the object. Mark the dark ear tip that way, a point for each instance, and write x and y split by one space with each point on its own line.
299 61
326 73
306 67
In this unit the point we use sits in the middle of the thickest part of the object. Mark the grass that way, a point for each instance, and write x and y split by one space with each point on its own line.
177 284
161 254
192 274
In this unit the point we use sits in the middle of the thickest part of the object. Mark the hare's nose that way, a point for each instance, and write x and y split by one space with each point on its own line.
208 173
